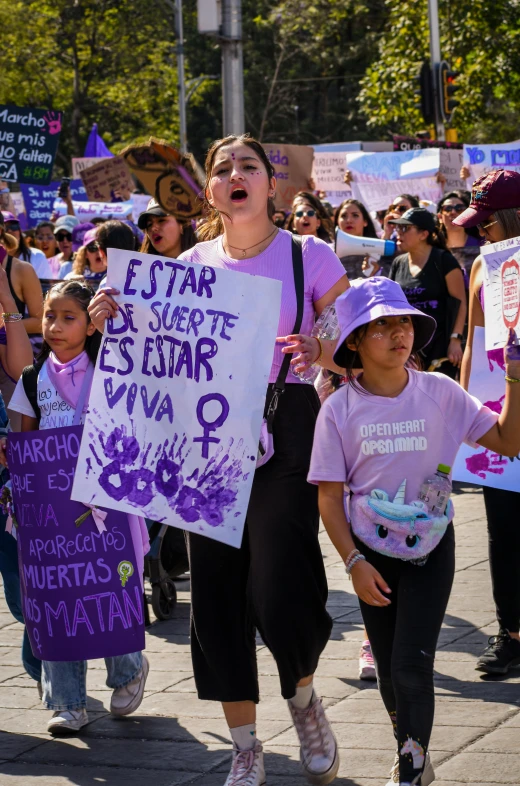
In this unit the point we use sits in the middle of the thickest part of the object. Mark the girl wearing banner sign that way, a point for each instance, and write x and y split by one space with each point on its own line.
495 210
60 382
276 581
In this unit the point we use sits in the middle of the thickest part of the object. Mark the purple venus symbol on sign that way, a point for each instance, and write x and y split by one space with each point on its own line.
209 426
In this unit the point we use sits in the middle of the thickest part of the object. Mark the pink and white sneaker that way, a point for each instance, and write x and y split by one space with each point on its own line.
247 767
367 670
319 755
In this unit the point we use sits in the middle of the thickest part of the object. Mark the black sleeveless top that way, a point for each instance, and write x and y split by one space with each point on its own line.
20 305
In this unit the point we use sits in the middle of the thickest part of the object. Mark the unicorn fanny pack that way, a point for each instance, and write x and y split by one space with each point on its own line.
394 528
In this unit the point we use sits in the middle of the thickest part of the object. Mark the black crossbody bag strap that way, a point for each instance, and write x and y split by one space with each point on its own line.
279 385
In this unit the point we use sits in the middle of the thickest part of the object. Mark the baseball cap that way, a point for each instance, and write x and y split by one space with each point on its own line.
90 236
153 209
66 223
419 217
78 234
496 190
8 216
376 297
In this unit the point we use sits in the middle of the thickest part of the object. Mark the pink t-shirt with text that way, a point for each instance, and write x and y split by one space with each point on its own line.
373 442
322 269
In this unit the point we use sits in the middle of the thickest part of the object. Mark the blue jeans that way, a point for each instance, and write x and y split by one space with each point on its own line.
13 595
65 682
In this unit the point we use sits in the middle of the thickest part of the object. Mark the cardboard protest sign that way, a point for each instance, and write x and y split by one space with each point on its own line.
483 158
28 143
42 201
79 164
501 276
481 466
178 394
328 174
293 170
379 177
168 175
81 587
451 163
19 208
108 180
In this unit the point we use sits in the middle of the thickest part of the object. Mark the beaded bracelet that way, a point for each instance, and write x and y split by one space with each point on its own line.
511 379
357 558
9 317
352 554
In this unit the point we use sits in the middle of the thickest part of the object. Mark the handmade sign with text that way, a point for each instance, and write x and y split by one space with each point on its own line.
28 143
178 394
42 201
81 586
480 465
480 159
108 180
293 171
501 275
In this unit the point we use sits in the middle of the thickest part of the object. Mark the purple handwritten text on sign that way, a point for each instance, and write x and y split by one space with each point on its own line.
178 394
81 588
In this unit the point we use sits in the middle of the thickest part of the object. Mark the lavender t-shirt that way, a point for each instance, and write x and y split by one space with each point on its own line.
322 269
373 442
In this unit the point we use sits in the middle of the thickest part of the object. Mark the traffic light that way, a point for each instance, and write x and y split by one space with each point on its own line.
446 90
424 93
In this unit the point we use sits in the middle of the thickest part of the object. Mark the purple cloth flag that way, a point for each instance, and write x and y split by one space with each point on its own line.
95 147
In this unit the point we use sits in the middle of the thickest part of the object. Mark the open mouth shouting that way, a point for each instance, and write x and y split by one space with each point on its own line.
238 194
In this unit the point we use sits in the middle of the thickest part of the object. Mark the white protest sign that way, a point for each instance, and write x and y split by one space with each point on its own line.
501 276
483 158
377 178
85 211
482 466
178 394
328 174
451 162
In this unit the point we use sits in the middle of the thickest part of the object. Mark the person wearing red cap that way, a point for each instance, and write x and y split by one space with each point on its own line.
495 210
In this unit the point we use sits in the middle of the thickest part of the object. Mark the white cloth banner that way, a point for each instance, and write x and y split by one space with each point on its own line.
328 172
178 394
377 178
482 466
501 276
88 210
484 158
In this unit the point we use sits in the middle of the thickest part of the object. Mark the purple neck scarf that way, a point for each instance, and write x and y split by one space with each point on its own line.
68 378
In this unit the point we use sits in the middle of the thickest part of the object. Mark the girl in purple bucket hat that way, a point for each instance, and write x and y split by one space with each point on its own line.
384 434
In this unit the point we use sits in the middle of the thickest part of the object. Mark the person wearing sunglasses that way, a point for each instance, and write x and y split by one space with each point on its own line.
88 263
63 234
397 209
24 252
495 211
430 276
463 244
309 217
45 240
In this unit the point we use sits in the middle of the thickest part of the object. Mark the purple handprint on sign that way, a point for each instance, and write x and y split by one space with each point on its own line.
481 463
53 120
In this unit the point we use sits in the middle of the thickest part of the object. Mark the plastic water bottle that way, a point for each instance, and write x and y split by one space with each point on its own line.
326 327
436 490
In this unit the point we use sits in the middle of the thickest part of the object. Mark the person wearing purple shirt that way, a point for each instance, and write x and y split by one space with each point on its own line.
276 581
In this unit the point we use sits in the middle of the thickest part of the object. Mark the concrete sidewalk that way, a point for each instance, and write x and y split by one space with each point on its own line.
177 739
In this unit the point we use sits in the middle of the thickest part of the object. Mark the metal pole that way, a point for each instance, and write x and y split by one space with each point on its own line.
232 68
181 87
435 59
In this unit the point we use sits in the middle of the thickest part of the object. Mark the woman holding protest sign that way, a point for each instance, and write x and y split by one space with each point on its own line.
60 381
495 210
276 581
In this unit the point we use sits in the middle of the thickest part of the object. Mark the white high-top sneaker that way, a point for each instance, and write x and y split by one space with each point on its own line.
319 755
427 777
247 768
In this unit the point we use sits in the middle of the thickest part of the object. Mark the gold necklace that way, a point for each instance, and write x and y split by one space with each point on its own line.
243 250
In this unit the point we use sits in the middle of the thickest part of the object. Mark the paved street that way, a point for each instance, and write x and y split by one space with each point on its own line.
176 739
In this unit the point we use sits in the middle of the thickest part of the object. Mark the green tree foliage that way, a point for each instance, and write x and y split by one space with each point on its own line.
479 38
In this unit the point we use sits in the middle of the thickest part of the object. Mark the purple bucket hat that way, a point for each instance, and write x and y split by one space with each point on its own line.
367 300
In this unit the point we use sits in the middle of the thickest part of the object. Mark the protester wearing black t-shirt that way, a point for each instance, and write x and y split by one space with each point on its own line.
431 277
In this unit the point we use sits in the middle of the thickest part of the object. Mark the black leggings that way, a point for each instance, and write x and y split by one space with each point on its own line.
404 638
275 582
504 554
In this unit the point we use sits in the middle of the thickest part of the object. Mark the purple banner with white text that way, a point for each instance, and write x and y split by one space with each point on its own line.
81 588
